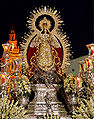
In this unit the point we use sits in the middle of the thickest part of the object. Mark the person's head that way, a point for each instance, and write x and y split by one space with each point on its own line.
44 25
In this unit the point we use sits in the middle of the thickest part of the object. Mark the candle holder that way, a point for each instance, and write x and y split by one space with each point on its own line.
12 87
4 83
7 48
82 66
89 63
16 67
91 49
3 76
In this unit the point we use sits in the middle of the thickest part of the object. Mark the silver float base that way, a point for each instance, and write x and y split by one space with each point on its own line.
45 101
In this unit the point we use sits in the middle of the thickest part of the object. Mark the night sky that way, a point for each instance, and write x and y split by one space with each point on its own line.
77 16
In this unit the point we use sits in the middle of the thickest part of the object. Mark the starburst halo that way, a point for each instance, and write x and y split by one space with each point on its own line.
44 11
56 31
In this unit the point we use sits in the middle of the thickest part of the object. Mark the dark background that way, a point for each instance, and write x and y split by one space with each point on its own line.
77 16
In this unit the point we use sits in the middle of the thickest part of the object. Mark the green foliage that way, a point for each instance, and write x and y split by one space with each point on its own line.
86 77
24 86
70 85
84 93
11 110
85 111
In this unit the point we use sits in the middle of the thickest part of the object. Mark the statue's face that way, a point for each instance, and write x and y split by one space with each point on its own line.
44 25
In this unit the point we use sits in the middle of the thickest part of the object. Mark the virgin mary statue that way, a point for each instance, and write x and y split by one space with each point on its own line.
45 62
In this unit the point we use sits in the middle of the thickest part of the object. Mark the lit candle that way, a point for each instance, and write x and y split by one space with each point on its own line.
0 79
3 78
89 63
6 55
6 49
92 49
79 83
15 65
80 68
84 66
89 51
